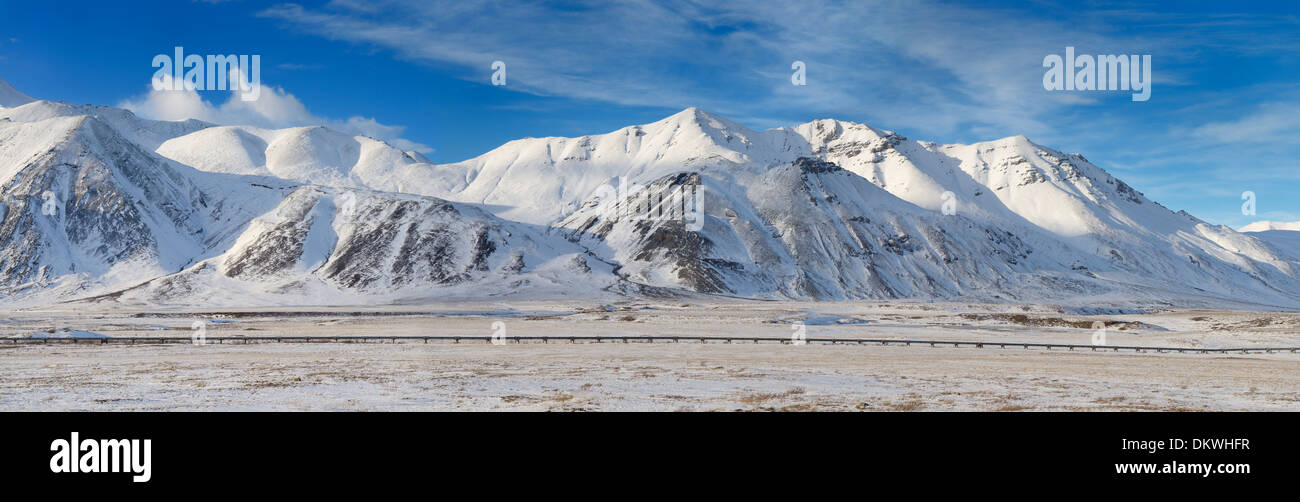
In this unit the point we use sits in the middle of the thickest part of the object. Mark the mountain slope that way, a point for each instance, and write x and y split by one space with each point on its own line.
1096 225
85 207
810 230
542 180
145 133
315 155
1263 226
10 97
332 246
1114 231
86 212
1283 236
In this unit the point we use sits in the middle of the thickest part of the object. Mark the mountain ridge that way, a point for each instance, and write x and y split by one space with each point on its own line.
825 210
11 97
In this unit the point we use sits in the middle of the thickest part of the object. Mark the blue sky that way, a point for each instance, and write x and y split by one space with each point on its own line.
1223 117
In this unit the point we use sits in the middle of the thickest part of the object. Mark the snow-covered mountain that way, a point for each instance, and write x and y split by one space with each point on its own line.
88 210
188 212
10 97
326 245
315 155
808 229
1284 236
82 208
1264 226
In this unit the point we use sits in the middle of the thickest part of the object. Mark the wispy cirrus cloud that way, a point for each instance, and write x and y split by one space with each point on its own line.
930 67
1271 122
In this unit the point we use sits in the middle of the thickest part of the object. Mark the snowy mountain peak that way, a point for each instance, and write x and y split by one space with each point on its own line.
10 97
825 130
1284 236
705 121
146 133
696 133
1019 140
1264 226
825 136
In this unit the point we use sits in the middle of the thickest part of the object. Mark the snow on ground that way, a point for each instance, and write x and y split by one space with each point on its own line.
661 376
65 334
613 377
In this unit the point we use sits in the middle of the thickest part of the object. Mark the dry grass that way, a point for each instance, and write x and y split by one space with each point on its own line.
912 405
760 398
1025 320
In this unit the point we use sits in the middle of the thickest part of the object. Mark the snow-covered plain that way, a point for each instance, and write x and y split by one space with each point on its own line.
660 376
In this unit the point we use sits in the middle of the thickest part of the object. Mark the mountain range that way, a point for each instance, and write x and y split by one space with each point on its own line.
98 205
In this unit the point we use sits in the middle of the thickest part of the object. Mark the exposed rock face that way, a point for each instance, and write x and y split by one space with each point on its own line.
413 241
371 240
92 201
89 211
798 230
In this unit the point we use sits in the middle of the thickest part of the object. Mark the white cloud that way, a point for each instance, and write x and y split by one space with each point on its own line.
928 67
1268 123
275 108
